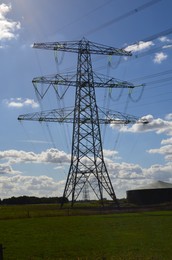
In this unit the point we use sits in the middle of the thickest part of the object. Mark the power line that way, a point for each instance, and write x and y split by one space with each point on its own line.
84 16
157 35
159 81
162 85
123 16
137 56
153 75
152 103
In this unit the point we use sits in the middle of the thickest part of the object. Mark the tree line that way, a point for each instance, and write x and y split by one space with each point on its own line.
32 200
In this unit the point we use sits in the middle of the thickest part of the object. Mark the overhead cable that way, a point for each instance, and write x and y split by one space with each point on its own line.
84 16
123 16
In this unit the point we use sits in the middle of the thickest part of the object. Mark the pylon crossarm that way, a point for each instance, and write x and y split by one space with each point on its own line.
76 46
55 115
66 116
58 79
70 80
103 81
114 117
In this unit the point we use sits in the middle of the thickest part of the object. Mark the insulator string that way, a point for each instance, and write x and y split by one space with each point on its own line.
119 96
138 98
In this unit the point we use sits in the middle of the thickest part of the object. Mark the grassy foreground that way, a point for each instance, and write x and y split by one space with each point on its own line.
129 236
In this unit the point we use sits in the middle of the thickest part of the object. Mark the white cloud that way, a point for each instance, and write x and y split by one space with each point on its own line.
166 141
140 46
169 46
8 28
161 126
109 153
7 169
54 156
157 125
168 117
48 156
165 150
165 39
21 102
124 176
40 186
130 171
4 9
159 172
13 183
159 57
124 170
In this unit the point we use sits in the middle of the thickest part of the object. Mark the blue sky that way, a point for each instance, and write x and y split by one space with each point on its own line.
34 157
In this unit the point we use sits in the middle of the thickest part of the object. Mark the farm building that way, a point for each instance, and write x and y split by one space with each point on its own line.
155 193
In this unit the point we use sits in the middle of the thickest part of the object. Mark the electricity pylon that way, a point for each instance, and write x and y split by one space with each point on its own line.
87 160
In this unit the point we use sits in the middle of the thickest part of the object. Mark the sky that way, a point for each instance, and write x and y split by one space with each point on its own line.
35 157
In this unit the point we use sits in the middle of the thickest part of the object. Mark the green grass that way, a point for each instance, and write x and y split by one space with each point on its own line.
26 233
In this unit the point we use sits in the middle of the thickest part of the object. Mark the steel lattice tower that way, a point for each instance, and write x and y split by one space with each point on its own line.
87 160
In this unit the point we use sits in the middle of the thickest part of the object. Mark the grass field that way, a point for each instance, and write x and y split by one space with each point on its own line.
45 232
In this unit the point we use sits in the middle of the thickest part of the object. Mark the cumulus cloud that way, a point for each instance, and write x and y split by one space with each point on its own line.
39 186
13 183
159 172
7 169
20 103
165 150
164 39
54 156
125 170
14 156
166 141
168 117
124 176
48 156
109 153
140 46
157 125
8 28
169 46
130 171
159 57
